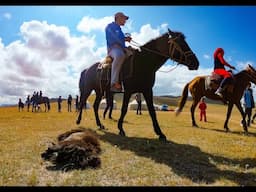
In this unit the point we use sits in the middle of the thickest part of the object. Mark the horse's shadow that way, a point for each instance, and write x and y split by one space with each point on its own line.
186 160
248 134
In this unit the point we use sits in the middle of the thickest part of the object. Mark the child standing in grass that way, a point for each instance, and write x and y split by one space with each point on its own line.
202 107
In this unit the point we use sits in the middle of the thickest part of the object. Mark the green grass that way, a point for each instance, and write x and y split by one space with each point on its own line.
204 156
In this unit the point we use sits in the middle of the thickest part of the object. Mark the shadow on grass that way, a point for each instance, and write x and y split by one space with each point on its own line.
187 160
229 132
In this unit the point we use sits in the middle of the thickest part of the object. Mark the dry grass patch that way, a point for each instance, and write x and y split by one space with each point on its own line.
204 156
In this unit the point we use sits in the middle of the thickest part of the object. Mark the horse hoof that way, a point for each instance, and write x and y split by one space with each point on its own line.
122 133
226 130
195 125
77 122
162 138
101 127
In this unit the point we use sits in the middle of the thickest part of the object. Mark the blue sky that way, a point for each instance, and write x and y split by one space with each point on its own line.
46 47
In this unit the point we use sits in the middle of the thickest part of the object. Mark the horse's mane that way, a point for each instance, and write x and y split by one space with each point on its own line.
152 41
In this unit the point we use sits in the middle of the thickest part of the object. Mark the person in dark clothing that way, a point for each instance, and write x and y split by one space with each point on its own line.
69 103
138 99
28 101
219 63
59 103
77 103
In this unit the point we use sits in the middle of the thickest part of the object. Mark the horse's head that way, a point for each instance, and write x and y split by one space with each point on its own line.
251 73
180 52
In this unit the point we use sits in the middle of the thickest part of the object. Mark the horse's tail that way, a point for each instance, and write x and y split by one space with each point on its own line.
183 100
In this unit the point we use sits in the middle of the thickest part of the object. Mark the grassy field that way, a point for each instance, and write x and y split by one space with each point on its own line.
204 156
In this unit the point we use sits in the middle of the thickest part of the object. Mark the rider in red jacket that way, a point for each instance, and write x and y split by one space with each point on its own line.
219 63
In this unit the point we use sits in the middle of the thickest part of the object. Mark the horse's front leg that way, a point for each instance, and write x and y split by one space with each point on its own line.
230 107
148 95
239 107
96 108
123 112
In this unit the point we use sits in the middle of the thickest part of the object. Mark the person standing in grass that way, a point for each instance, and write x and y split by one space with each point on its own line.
59 103
77 103
69 103
138 99
248 103
202 107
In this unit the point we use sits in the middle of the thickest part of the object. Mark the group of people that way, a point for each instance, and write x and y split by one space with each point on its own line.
69 102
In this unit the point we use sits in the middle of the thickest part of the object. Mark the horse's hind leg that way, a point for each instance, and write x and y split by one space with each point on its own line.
149 100
192 110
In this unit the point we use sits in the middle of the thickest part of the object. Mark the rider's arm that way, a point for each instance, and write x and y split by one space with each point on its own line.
222 60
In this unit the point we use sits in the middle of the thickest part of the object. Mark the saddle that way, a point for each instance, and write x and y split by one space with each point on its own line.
212 82
104 70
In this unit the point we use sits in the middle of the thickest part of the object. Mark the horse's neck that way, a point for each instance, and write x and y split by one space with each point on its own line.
155 58
242 80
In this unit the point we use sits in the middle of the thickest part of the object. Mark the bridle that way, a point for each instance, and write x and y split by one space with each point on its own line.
173 46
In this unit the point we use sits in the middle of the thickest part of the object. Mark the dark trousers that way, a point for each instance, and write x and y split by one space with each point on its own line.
248 114
139 108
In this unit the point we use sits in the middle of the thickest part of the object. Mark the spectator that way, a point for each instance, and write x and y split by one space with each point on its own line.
69 103
248 104
202 107
28 101
59 103
20 105
77 103
138 99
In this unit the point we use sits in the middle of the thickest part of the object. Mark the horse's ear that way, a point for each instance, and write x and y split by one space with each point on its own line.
170 33
250 67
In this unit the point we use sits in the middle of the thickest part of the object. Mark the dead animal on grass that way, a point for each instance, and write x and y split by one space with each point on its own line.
75 149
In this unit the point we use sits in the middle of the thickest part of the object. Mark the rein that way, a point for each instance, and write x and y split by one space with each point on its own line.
173 46
156 52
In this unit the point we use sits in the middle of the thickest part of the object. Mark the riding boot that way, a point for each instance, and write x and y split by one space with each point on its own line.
222 86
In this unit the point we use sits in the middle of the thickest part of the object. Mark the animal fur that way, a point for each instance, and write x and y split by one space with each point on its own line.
76 149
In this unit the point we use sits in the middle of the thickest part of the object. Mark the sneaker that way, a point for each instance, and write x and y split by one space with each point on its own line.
116 88
218 92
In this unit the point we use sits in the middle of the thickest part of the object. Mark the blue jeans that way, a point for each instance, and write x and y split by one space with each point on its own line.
118 56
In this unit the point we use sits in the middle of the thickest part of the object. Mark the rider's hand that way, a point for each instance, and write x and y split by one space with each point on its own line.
128 38
232 67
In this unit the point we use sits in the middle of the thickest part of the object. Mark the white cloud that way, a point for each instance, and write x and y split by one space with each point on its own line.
88 24
207 56
50 59
7 15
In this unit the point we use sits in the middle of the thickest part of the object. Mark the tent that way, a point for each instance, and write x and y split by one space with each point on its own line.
103 104
133 106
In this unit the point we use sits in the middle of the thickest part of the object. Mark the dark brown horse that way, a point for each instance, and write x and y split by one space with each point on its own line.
198 90
145 64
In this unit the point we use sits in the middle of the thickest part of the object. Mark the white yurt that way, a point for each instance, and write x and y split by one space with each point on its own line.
103 104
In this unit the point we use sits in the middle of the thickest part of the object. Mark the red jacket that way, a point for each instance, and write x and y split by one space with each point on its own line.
202 106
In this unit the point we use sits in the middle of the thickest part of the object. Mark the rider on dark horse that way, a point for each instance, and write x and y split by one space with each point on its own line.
219 63
116 48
